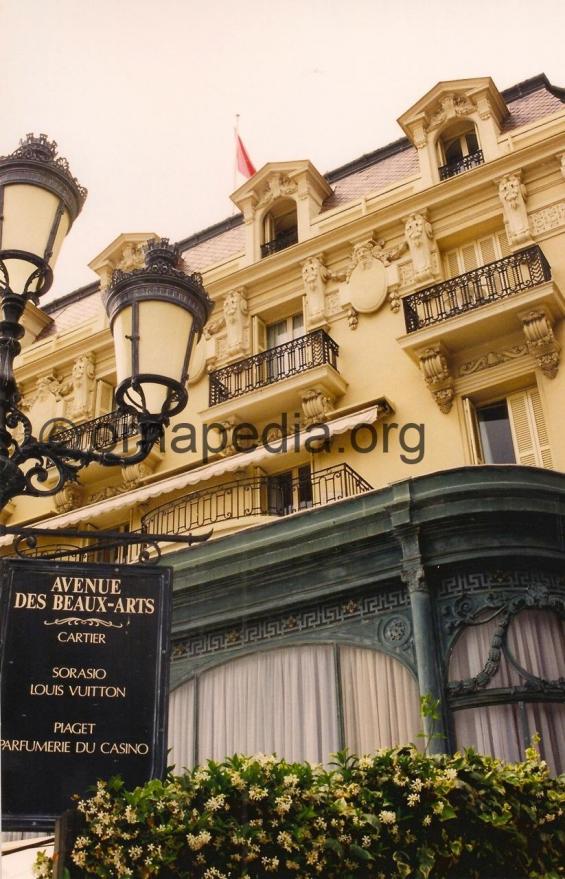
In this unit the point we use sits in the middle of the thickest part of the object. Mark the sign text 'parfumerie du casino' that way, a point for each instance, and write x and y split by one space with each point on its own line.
84 682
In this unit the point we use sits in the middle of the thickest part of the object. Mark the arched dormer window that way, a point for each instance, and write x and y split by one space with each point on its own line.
458 149
280 227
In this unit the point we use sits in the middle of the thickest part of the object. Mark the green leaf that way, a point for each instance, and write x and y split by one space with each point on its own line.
360 853
334 845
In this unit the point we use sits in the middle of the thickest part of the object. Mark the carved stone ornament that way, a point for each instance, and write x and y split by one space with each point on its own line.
352 319
277 186
435 369
561 160
492 358
541 341
236 316
69 498
83 382
512 195
367 279
450 107
315 275
420 240
317 406
134 474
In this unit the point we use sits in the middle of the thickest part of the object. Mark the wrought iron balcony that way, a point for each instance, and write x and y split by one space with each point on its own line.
306 352
283 240
256 496
109 431
497 280
460 165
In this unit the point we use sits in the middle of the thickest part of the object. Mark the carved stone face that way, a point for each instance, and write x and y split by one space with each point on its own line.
231 304
415 228
510 190
311 270
363 254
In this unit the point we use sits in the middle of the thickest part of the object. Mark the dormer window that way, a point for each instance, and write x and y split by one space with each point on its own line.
280 227
459 150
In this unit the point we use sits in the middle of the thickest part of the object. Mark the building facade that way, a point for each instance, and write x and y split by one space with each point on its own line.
374 434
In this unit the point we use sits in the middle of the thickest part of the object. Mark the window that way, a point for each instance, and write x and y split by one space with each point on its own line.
527 651
303 703
285 330
509 430
280 227
284 360
289 491
475 254
458 149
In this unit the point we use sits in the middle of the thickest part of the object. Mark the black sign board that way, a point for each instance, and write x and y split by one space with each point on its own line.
84 682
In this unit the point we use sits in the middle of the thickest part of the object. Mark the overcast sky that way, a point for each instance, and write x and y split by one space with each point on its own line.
141 95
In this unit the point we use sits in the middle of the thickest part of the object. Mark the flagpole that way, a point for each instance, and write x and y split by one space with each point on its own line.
236 132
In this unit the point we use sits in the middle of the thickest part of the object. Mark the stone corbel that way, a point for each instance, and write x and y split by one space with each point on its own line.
237 321
134 474
512 194
420 239
561 159
537 326
438 378
69 498
317 406
315 276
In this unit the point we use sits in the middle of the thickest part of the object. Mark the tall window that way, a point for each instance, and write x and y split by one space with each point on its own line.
525 660
508 430
280 227
475 254
289 491
458 149
293 701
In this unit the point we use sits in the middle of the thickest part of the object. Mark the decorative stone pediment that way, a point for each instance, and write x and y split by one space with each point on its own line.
298 181
274 180
447 106
452 99
125 253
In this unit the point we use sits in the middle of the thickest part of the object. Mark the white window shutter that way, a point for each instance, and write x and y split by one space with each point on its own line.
502 239
488 250
471 425
529 432
104 398
259 335
452 267
469 257
544 449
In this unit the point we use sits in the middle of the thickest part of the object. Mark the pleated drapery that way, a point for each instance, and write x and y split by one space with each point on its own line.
294 702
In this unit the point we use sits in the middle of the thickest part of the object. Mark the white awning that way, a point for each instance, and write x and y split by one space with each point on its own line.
229 464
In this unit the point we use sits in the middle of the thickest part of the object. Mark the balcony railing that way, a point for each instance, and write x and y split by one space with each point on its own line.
257 496
306 352
283 240
460 165
489 283
109 431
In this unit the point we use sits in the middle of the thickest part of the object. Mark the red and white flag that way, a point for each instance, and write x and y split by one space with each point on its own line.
243 163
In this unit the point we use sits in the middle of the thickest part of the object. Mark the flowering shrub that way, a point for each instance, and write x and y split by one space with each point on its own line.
398 813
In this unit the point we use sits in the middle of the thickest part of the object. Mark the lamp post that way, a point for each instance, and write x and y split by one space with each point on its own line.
155 313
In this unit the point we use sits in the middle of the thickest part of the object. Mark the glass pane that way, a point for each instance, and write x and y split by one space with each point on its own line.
495 731
297 326
304 487
536 639
453 150
548 720
472 142
277 334
496 436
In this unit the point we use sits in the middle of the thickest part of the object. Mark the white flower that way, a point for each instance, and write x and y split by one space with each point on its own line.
258 793
412 799
387 817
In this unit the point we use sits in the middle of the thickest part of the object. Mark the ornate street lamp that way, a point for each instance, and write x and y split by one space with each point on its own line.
155 313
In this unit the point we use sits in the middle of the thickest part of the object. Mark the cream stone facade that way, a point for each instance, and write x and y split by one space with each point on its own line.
398 318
